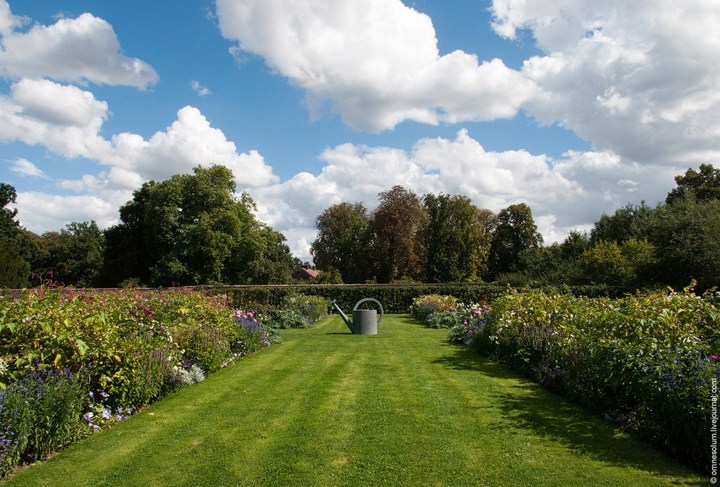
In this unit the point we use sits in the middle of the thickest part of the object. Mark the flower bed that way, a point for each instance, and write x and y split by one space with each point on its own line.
647 362
72 362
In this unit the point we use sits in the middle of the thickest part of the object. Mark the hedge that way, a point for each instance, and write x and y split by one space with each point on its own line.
395 298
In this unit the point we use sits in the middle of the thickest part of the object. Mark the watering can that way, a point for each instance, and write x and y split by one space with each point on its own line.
364 321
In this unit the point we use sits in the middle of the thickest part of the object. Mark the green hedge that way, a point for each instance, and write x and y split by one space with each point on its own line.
395 298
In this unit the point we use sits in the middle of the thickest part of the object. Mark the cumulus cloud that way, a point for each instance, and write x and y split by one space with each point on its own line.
637 79
42 212
376 62
63 118
77 50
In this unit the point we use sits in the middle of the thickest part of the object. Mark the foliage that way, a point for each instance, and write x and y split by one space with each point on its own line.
39 414
424 306
65 352
314 307
341 240
627 222
700 185
393 229
192 229
515 232
686 235
74 256
395 298
645 361
628 265
14 267
455 239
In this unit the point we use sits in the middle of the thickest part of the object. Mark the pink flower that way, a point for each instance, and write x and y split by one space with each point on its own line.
713 357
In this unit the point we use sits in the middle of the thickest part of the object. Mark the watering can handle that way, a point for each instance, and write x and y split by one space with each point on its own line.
382 313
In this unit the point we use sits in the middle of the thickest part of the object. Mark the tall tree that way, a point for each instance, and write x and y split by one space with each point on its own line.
454 239
14 267
701 185
394 235
342 240
192 229
515 232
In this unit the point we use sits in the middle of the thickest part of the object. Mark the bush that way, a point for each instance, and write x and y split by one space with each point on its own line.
286 318
424 306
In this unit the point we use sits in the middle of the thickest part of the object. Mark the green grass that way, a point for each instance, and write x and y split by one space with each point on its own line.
330 408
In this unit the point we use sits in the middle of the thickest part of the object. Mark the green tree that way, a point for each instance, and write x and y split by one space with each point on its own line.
73 256
394 226
686 235
627 265
454 237
191 229
701 185
515 232
342 241
14 267
627 222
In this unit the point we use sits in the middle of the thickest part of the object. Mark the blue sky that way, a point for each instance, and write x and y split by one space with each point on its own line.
572 107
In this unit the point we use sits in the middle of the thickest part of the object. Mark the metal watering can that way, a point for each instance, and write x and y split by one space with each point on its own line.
365 321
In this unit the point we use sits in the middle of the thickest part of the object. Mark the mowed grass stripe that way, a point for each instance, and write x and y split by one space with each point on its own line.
330 408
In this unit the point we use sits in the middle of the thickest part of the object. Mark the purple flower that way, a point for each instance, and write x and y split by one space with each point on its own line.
104 395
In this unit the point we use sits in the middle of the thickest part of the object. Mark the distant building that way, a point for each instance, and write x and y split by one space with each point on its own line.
306 272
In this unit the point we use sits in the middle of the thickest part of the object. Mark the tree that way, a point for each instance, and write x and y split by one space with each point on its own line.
701 185
454 238
192 229
515 232
74 256
627 222
14 267
686 235
341 241
394 227
627 265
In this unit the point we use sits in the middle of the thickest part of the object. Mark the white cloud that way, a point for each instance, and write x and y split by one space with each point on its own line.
375 61
200 89
26 168
63 118
639 79
77 50
190 141
41 212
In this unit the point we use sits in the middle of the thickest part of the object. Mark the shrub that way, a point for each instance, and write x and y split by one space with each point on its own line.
423 306
313 307
285 318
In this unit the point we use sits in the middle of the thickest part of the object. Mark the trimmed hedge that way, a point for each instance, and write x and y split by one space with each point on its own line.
395 298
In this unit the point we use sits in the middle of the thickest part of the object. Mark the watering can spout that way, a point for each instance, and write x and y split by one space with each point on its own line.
344 317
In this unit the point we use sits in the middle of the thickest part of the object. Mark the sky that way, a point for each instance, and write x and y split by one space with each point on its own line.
574 107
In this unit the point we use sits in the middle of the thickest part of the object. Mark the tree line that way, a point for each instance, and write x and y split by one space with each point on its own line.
190 229
193 229
445 238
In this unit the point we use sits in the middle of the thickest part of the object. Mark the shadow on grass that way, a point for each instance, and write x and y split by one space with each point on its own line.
530 407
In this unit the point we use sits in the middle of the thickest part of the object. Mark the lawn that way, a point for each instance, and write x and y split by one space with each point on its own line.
330 408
